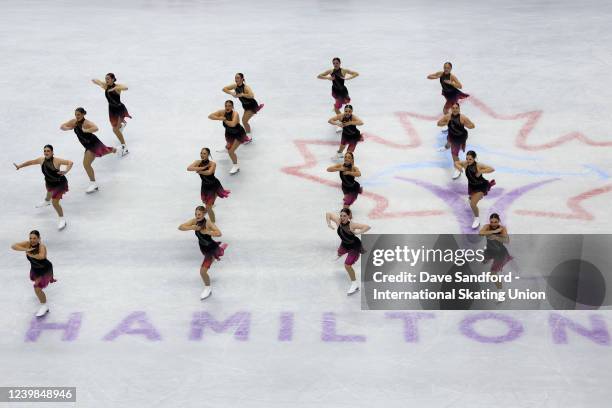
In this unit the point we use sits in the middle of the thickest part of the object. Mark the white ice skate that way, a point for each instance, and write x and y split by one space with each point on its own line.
44 309
456 174
61 224
93 187
339 130
206 292
476 223
443 148
43 203
235 169
338 156
123 151
354 288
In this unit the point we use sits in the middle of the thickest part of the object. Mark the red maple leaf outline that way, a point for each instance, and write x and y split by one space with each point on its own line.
574 204
382 203
533 117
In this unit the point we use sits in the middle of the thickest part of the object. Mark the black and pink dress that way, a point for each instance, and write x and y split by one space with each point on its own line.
211 187
350 244
350 187
211 249
450 93
117 112
339 91
90 141
477 183
233 133
41 271
56 183
350 134
497 252
248 104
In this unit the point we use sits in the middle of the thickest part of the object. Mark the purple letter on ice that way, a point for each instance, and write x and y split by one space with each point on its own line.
411 330
145 328
515 328
285 332
599 332
240 320
70 328
329 331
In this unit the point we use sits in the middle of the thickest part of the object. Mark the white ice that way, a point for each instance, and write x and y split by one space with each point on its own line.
122 251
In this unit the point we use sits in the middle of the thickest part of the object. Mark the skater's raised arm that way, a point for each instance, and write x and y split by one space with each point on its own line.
190 225
195 166
460 164
230 89
335 167
326 74
334 119
21 246
352 74
435 75
89 126
29 163
467 122
63 162
248 93
503 235
234 121
454 82
483 168
354 171
68 125
208 170
331 217
359 228
101 84
354 121
444 120
486 230
501 230
119 87
217 115
41 252
211 229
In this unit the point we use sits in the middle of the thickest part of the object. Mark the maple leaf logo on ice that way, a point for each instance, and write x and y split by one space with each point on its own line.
454 193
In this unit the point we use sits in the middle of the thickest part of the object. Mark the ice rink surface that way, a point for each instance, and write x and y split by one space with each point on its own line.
279 330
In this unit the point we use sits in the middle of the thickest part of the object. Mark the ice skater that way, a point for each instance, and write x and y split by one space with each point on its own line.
212 250
84 129
478 186
117 112
350 134
211 187
348 171
55 180
246 96
41 270
350 244
338 75
497 236
235 135
450 86
457 134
